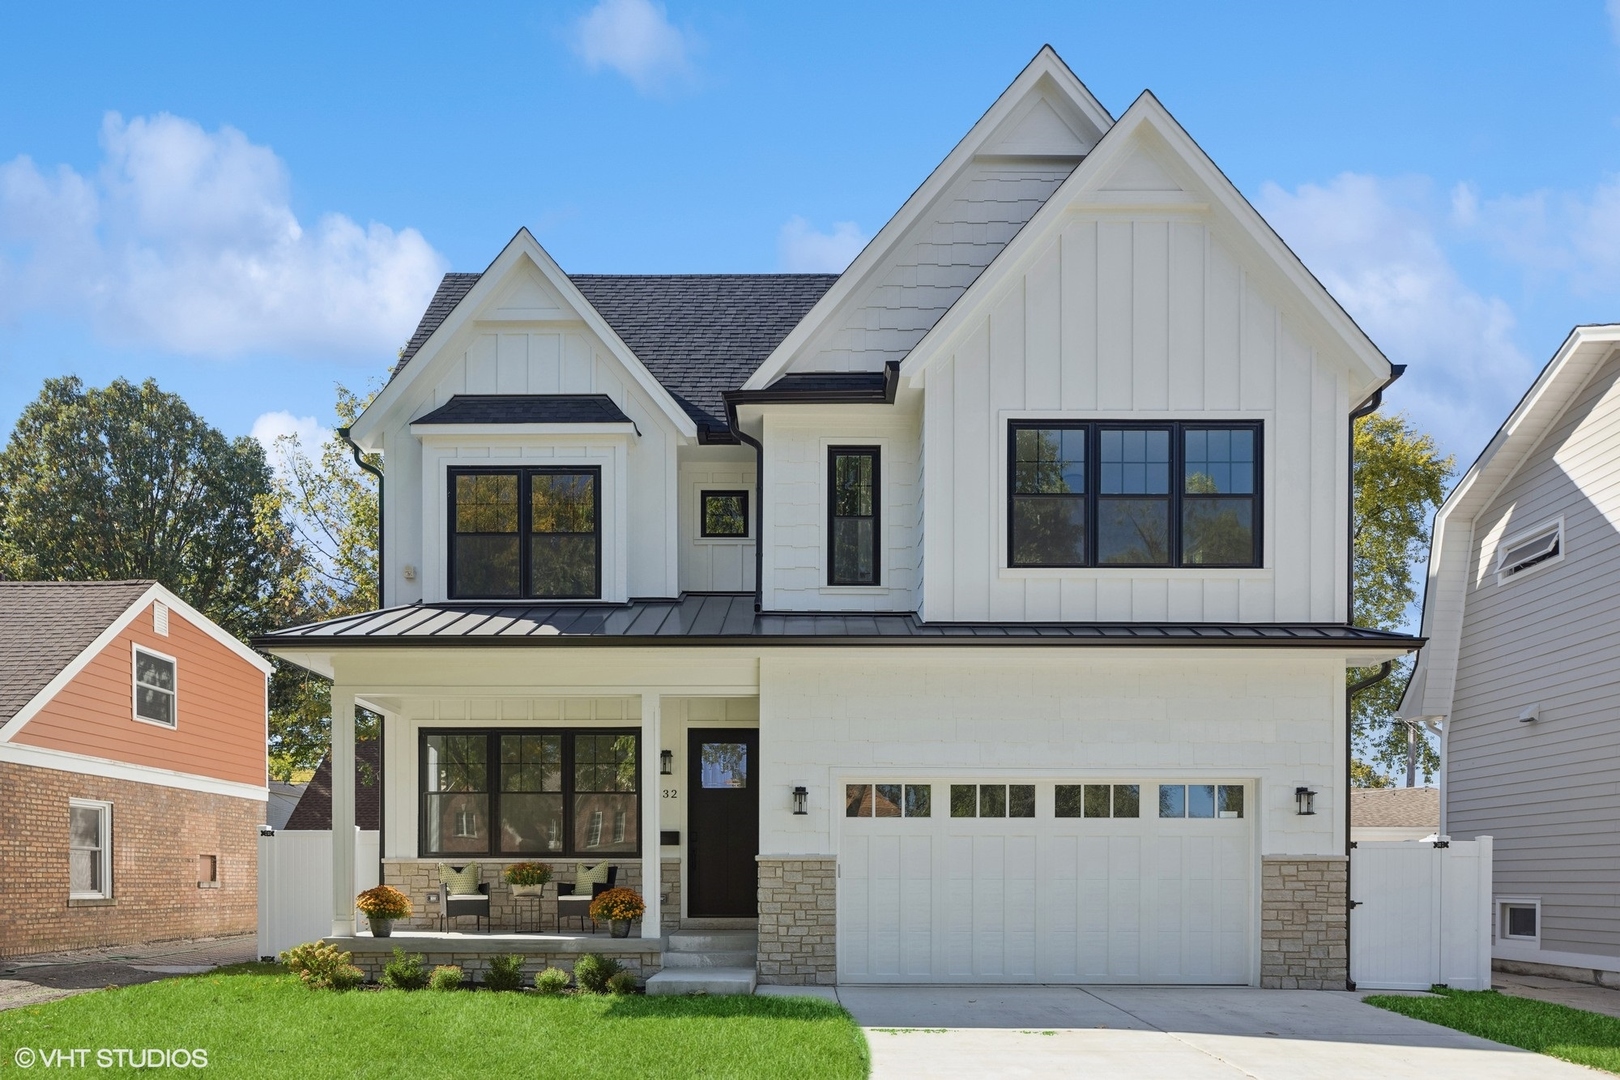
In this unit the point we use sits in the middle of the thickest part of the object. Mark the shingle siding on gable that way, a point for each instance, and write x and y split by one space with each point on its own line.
1545 791
924 278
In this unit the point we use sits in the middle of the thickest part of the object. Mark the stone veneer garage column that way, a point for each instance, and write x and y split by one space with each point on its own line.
1304 922
798 902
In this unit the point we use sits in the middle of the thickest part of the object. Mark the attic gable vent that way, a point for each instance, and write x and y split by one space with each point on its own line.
1540 546
160 618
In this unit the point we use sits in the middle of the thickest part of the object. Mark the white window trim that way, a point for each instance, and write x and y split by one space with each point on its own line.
135 687
106 811
1504 546
1505 902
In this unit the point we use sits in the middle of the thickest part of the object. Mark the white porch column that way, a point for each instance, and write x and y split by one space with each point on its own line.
652 872
342 810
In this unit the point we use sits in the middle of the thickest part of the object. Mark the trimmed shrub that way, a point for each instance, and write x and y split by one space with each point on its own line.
322 967
445 977
405 971
593 970
621 983
505 973
551 981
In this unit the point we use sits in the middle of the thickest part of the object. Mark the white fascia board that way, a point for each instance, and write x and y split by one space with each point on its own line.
106 637
1219 198
461 432
1046 64
1429 693
40 757
369 425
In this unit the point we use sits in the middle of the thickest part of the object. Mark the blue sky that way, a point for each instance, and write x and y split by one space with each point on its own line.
253 204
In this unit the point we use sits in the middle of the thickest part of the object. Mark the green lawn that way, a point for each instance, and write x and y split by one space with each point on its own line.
1556 1030
256 1020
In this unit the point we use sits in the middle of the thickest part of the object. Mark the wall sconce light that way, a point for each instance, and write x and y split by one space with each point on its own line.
666 763
800 794
1304 801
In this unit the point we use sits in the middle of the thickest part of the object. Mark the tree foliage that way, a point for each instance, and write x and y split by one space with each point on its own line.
1400 480
128 482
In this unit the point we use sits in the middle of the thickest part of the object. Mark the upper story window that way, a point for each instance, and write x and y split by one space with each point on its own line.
154 687
852 515
725 514
1125 494
1540 546
525 533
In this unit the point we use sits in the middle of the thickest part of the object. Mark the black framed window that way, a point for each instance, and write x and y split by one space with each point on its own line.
853 489
724 513
529 792
1130 494
525 533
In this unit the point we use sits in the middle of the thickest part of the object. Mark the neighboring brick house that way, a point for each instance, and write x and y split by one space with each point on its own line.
132 768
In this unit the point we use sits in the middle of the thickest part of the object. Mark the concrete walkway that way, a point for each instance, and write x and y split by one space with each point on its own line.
30 980
1159 1033
1587 996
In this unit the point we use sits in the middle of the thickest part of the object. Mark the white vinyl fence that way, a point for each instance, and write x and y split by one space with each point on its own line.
295 885
1421 914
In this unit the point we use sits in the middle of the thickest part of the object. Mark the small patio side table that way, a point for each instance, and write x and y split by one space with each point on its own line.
538 909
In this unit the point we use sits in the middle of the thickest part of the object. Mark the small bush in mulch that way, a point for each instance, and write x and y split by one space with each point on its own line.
405 971
505 973
551 981
593 970
622 983
446 977
322 967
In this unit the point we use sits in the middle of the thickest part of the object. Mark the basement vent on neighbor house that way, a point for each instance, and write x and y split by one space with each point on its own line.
160 619
1538 547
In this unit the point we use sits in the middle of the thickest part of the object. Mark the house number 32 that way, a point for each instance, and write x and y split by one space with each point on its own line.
671 793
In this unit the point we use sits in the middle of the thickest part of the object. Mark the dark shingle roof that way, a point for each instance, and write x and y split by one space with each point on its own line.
314 809
729 619
699 334
45 624
526 409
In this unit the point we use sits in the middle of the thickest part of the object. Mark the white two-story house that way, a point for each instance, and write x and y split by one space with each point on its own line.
977 614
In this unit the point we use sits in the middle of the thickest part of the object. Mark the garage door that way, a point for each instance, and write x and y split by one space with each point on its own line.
1007 882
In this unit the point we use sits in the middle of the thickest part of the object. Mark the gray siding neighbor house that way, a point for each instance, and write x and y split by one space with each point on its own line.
1522 673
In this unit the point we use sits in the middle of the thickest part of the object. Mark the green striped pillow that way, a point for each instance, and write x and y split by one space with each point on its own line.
585 877
463 882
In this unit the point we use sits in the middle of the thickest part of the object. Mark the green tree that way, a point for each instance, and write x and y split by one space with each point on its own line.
329 505
129 482
1400 480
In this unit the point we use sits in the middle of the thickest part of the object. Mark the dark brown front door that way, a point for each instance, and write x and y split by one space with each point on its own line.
723 822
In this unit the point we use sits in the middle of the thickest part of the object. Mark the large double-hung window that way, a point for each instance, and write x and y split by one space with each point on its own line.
525 533
1085 494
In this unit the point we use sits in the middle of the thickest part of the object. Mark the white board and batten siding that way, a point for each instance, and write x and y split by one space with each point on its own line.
1546 637
1141 318
716 563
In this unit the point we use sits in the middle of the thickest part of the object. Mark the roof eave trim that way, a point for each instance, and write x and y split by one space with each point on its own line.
278 645
541 427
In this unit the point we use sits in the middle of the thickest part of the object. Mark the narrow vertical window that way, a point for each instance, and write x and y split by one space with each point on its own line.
1217 499
485 556
563 537
89 850
1048 524
1133 497
853 492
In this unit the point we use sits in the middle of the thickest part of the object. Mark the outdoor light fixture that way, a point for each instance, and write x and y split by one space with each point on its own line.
1304 801
800 794
666 763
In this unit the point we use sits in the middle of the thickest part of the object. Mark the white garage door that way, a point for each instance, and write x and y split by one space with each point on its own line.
1119 882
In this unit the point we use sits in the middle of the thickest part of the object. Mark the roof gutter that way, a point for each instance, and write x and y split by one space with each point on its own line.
359 459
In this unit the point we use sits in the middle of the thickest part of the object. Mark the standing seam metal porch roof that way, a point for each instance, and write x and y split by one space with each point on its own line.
730 619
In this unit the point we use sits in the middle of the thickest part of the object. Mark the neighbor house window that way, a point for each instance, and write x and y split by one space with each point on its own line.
852 515
529 792
1519 920
1102 494
725 513
1538 547
89 850
154 687
525 533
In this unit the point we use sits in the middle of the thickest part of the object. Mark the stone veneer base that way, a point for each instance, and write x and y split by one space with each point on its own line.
1304 922
472 953
798 911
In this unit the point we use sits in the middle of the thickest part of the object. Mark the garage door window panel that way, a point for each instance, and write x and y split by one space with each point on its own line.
887 800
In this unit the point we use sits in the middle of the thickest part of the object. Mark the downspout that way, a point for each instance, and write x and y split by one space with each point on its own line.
382 803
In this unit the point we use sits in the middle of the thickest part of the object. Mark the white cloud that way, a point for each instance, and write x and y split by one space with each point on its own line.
801 249
1613 7
636 39
271 427
1567 240
186 239
1373 242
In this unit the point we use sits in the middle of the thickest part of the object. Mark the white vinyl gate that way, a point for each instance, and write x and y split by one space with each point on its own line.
1045 899
295 885
1422 915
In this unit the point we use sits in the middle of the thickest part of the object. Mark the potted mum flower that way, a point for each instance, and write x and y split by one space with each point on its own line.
618 907
381 906
527 878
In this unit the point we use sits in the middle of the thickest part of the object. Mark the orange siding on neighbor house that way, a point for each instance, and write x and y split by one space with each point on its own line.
220 704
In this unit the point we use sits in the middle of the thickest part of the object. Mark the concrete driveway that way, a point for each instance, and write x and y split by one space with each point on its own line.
1159 1033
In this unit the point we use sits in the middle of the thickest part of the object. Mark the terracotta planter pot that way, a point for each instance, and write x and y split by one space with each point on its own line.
621 927
380 927
528 890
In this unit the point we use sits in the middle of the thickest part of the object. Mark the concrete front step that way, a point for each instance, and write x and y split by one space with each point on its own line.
711 959
715 980
712 940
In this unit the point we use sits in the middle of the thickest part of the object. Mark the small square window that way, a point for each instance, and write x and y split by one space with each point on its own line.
1520 922
992 800
1097 800
725 514
919 800
1127 800
1021 800
1172 800
1070 801
857 800
964 800
1229 801
887 803
1200 800
1538 547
